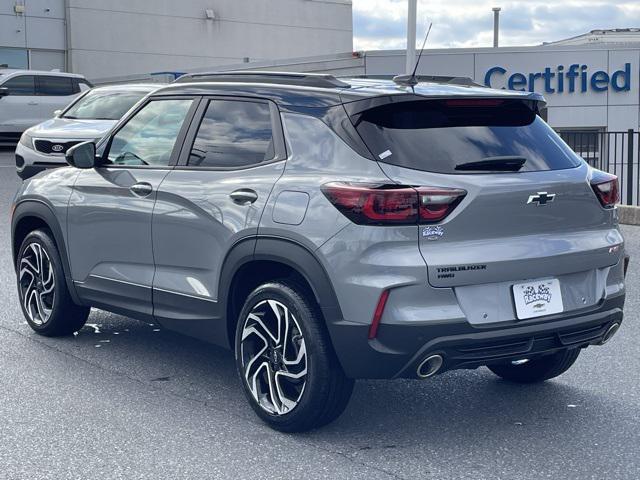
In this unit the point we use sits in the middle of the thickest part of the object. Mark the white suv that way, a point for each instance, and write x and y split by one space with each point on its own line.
28 97
89 117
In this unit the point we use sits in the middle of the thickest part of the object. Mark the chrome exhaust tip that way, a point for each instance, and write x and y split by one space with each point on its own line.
429 366
610 333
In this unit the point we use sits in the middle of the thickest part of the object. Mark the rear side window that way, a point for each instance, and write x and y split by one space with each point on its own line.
447 136
22 85
55 86
233 134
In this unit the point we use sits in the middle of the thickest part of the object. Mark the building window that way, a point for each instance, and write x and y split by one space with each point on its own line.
14 58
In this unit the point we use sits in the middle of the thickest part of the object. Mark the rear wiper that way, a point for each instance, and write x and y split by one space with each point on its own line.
508 163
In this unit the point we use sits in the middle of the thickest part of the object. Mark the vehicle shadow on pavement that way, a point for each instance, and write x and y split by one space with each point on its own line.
460 409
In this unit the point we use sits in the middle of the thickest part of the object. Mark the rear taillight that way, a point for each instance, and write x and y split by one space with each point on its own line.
606 188
369 204
437 203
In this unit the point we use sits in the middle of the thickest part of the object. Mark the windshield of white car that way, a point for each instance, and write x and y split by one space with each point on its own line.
101 105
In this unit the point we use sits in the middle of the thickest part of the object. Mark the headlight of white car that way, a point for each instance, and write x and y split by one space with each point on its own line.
26 140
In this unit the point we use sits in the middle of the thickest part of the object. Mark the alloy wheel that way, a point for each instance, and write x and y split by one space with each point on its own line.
274 357
37 283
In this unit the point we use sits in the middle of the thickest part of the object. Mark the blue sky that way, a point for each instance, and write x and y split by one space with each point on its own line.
381 24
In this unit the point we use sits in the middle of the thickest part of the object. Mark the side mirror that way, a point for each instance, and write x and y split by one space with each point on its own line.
57 113
82 155
4 91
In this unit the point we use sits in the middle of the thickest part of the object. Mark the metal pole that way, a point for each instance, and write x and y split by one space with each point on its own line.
411 35
68 64
630 134
496 26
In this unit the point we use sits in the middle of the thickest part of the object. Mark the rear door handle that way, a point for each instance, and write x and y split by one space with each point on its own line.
244 196
141 189
32 103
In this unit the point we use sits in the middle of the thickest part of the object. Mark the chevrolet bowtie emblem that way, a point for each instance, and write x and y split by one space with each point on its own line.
541 198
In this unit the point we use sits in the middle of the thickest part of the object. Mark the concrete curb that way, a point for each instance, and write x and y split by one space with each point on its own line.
629 215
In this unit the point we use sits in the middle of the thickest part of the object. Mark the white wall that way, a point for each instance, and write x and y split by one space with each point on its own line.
41 29
121 37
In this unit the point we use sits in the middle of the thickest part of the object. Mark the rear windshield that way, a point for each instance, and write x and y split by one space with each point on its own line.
451 136
103 105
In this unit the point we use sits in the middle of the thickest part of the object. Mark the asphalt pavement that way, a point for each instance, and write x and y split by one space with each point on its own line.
125 399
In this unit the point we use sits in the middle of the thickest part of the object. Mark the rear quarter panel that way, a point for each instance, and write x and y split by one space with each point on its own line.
297 209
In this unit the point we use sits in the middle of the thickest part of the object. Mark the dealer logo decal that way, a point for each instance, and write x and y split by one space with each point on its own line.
433 232
532 295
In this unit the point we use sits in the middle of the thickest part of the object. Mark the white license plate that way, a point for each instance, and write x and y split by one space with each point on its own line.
537 298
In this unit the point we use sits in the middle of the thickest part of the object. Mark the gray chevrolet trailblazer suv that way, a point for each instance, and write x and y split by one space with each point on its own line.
329 230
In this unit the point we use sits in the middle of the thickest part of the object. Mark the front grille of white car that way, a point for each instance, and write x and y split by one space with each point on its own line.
53 147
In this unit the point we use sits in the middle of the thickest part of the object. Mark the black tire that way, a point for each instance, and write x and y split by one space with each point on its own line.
537 369
326 390
65 316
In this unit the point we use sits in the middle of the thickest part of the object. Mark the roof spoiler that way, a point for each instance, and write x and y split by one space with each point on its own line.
533 100
319 80
411 80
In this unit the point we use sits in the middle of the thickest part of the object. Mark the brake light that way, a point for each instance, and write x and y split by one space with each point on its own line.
606 188
371 204
474 102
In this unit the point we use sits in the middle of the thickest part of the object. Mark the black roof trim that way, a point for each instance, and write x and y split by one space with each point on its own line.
317 80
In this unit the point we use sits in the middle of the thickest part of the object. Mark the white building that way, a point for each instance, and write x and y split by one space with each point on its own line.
101 38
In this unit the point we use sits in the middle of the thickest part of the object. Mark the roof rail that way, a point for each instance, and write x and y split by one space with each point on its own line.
320 80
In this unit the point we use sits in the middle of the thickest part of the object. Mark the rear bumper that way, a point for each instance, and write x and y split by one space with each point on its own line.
398 349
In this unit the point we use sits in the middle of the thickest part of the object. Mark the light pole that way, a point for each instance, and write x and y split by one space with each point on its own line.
411 35
496 26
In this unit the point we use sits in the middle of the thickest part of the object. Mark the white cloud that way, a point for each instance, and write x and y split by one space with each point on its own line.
381 24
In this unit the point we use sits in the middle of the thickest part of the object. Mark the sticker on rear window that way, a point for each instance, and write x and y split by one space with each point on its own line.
385 154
